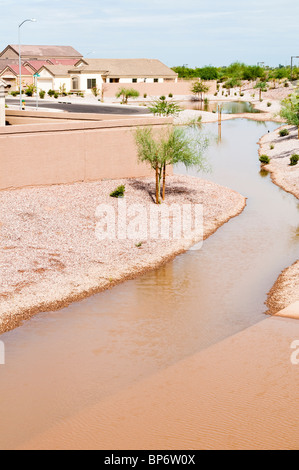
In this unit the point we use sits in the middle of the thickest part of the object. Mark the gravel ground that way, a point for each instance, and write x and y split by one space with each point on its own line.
50 255
284 175
285 290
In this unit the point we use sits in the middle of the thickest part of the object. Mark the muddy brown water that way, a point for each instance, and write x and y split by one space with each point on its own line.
59 363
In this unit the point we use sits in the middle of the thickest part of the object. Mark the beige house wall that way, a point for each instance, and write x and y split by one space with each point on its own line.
73 151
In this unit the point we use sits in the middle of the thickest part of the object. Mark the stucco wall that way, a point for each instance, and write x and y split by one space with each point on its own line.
74 151
181 88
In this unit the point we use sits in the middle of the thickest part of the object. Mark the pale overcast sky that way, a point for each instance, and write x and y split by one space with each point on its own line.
178 32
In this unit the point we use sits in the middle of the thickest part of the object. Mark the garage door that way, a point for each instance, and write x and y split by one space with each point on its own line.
45 85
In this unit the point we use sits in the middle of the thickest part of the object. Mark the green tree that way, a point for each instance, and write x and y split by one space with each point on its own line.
168 147
162 107
126 93
199 88
290 110
262 86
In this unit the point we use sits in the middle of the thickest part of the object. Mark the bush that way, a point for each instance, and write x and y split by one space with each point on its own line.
15 93
269 104
286 84
56 95
170 95
30 90
241 94
271 147
42 94
283 132
145 95
294 160
162 98
118 192
216 94
264 159
51 93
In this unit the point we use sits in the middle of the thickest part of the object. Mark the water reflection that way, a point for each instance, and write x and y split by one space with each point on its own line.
228 107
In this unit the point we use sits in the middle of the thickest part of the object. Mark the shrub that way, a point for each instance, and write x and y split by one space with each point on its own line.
286 84
30 90
95 91
283 132
170 95
235 94
264 159
14 93
216 94
294 160
42 94
51 93
56 95
241 94
145 95
271 147
118 192
162 98
269 104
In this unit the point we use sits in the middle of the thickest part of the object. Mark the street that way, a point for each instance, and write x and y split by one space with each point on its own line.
83 108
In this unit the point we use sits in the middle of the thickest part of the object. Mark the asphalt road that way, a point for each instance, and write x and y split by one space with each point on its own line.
84 108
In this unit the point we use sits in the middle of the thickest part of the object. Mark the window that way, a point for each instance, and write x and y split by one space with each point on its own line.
134 80
156 80
91 83
114 80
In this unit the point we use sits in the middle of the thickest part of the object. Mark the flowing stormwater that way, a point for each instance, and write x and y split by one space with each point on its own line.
58 363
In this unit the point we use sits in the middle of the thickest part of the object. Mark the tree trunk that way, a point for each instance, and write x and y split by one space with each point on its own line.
164 182
260 94
157 185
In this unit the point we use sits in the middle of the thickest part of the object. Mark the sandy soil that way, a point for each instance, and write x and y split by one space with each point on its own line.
239 394
50 255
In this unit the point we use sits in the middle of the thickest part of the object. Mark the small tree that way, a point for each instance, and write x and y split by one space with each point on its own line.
162 107
126 93
169 147
290 110
199 88
262 86
62 90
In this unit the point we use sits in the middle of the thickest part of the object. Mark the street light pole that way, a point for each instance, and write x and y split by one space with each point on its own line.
20 60
293 57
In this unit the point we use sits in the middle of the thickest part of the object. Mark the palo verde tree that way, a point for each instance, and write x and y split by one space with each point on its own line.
168 147
199 88
126 93
162 107
290 110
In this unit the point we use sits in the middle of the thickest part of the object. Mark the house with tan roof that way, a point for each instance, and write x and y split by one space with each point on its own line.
63 67
87 74
40 52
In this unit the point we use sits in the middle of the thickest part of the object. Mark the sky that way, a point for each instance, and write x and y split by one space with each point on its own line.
190 32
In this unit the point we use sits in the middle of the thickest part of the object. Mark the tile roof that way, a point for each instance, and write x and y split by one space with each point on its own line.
130 67
47 51
15 69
